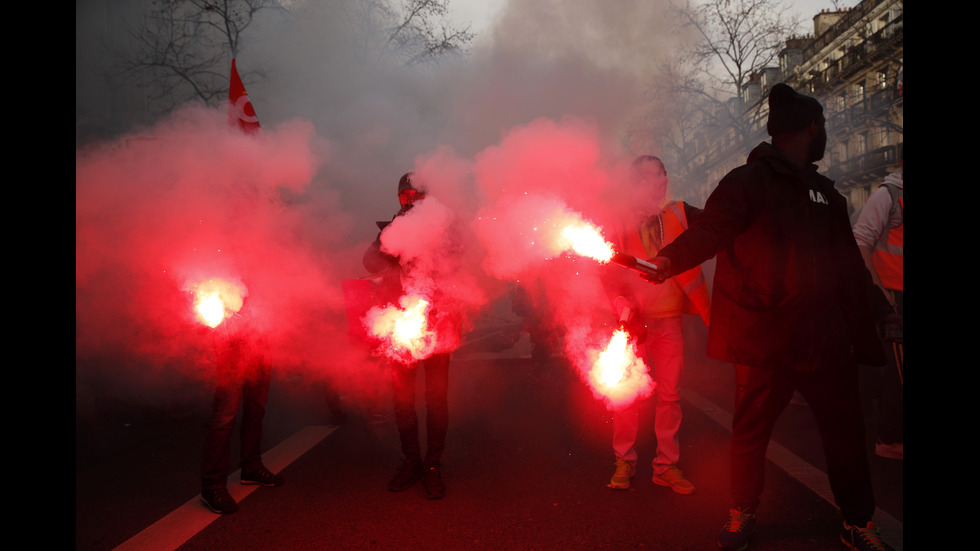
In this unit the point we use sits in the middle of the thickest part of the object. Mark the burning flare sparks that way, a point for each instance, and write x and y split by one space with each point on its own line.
586 240
217 299
613 361
404 331
617 375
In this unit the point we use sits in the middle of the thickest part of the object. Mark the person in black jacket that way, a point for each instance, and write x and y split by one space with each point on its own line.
414 467
793 308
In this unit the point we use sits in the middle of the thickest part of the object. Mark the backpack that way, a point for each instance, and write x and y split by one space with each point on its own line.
895 192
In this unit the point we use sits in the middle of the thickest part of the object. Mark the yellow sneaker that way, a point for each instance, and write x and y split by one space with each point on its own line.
674 479
624 472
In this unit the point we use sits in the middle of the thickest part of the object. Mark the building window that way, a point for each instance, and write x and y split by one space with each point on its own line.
882 22
884 136
837 154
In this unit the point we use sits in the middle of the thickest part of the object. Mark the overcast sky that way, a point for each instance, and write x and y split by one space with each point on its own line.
481 13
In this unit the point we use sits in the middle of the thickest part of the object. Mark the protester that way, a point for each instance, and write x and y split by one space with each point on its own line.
879 233
793 307
391 271
654 311
242 382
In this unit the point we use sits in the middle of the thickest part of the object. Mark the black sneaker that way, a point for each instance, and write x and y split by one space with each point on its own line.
410 473
219 501
434 487
262 477
862 539
734 536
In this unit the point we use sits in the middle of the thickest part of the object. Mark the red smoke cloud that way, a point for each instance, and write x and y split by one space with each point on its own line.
508 207
537 179
607 362
439 256
540 178
193 199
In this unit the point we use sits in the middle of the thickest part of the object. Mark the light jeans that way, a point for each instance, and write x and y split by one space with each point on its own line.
663 351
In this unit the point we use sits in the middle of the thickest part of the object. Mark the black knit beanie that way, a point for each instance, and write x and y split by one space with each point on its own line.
789 110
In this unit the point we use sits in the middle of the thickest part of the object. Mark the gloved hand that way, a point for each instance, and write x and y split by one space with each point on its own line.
624 309
630 319
663 272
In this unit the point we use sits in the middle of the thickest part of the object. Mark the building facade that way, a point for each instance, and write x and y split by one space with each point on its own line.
853 64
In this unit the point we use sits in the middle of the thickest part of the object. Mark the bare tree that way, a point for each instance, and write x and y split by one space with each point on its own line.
183 48
700 87
417 31
677 110
736 39
698 90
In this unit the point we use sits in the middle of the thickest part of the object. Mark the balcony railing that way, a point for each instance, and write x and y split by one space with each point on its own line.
873 104
855 53
870 165
847 20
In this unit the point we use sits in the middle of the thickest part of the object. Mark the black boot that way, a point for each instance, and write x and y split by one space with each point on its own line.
409 473
434 487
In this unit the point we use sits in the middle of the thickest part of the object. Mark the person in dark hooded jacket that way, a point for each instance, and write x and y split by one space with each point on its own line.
793 308
415 467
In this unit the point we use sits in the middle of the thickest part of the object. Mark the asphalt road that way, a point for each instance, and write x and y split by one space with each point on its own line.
526 467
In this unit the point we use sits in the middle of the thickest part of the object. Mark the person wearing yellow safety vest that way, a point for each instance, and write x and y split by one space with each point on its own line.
879 232
655 312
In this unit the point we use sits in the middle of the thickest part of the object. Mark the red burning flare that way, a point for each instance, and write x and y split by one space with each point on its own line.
586 240
217 299
617 375
403 330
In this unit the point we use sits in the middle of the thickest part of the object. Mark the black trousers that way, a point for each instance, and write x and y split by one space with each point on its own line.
246 390
891 402
833 395
436 407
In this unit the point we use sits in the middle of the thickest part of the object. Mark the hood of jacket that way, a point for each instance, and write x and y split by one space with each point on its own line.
780 162
895 178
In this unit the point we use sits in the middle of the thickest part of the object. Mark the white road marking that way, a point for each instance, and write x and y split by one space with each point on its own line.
810 476
173 530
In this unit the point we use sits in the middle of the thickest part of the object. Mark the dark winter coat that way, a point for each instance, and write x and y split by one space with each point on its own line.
790 288
391 272
387 269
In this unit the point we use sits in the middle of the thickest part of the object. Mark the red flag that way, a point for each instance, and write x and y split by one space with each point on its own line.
240 109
